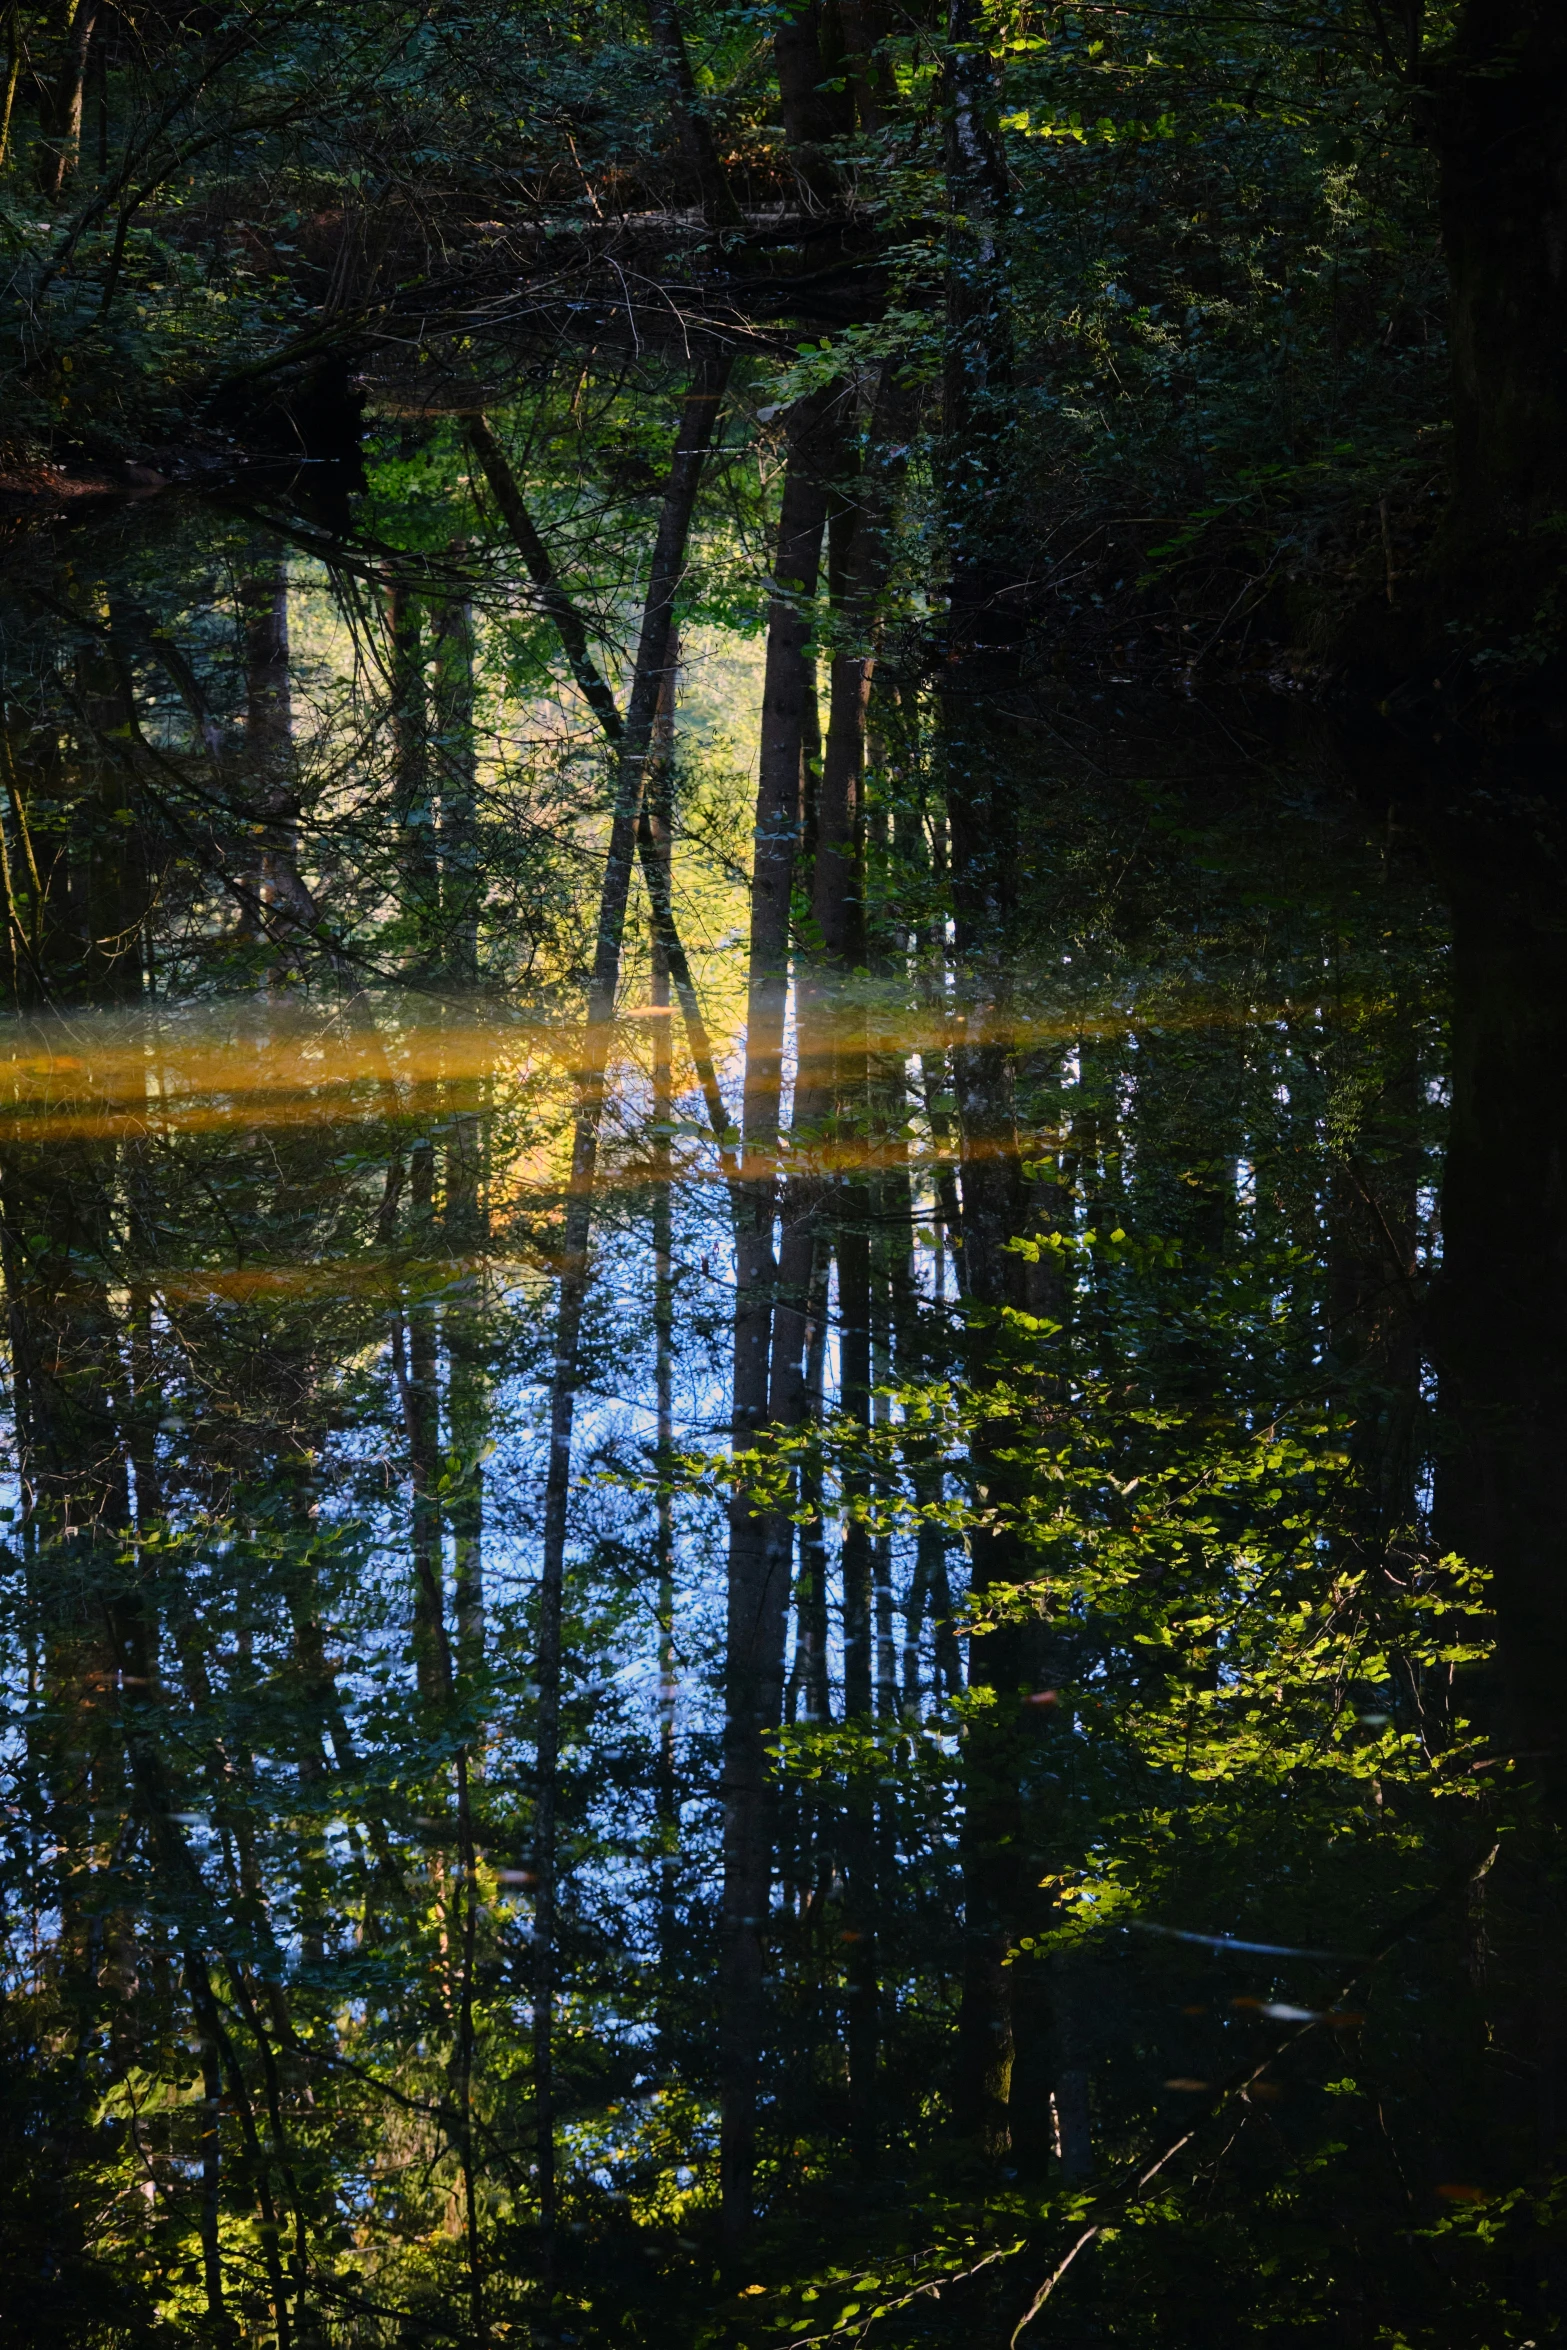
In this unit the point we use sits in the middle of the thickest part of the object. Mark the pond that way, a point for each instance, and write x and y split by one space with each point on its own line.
783 1421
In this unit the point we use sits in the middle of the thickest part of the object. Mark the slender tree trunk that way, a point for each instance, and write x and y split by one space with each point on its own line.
698 421
413 811
61 151
977 409
834 1088
421 1405
13 75
981 659
992 1211
456 775
816 1683
719 208
661 813
574 641
760 1542
279 906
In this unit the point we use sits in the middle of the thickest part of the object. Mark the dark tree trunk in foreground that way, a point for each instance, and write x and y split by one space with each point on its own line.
1500 123
816 107
1498 1316
1501 1305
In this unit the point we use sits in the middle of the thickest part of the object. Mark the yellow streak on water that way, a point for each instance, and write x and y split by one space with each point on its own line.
263 1065
108 1074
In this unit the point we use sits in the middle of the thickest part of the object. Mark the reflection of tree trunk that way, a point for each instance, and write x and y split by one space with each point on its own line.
891 1229
1499 1311
760 1543
55 1223
421 1406
1373 1304
816 1687
838 1054
983 870
210 2138
660 815
1071 2118
469 1413
454 749
776 839
698 420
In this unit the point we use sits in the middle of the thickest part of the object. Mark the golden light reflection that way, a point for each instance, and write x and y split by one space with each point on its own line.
111 1076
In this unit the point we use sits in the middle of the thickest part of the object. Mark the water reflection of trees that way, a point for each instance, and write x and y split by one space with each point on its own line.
473 1855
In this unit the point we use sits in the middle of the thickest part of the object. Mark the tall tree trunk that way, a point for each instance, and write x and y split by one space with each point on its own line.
13 76
816 105
456 776
760 1542
834 1043
872 83
279 906
413 813
1500 124
698 420
1498 1312
719 208
574 642
977 409
667 1795
61 150
983 880
981 663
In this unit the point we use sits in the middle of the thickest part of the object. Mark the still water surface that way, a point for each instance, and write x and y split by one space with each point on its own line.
369 1974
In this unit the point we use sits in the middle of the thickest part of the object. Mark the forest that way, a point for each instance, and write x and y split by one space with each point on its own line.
783 1174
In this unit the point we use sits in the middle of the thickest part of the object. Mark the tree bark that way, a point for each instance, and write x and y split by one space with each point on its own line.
1499 1307
977 413
412 806
61 150
456 780
1500 129
760 1542
719 208
808 55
